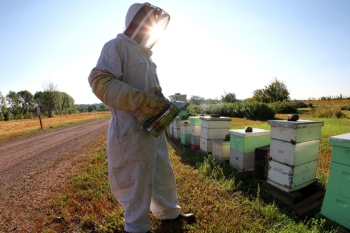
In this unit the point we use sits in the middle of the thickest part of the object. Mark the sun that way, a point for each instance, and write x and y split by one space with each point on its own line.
157 32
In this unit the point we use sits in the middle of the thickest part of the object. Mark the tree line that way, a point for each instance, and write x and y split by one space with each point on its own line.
276 91
50 102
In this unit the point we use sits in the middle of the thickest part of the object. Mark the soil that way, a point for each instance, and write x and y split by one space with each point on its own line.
35 169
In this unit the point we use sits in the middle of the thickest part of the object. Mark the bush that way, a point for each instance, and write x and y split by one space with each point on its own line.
8 116
257 111
283 107
192 110
28 115
2 118
298 104
251 110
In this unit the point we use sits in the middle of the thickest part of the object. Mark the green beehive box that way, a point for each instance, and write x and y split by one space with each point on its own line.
247 141
337 208
185 139
341 149
195 121
339 179
336 203
183 112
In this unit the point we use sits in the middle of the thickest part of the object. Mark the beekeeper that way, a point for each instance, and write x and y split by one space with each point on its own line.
140 172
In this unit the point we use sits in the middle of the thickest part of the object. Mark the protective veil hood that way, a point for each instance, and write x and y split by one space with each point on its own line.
145 23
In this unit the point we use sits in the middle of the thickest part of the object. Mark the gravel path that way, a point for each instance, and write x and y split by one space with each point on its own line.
22 157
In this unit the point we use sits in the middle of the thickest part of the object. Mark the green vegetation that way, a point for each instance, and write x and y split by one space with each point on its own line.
223 199
248 110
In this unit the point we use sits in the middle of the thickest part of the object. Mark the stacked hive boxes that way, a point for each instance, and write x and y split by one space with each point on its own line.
185 134
243 145
294 153
213 128
336 203
181 118
195 131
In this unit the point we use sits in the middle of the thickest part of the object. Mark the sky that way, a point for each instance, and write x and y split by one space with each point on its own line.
209 48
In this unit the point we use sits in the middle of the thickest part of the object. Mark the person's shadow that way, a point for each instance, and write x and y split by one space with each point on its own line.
170 227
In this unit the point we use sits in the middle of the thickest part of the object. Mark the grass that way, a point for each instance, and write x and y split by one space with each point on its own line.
222 198
21 128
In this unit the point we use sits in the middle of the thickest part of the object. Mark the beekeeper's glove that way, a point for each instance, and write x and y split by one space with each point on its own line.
152 103
119 95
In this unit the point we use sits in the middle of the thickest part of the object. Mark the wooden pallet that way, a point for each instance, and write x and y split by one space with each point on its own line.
309 205
303 202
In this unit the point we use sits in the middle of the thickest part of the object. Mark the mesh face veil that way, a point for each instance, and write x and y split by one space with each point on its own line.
145 23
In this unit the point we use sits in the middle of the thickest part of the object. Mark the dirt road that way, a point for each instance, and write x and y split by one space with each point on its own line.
21 157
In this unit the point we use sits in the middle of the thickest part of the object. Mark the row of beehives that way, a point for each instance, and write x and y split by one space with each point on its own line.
293 147
287 154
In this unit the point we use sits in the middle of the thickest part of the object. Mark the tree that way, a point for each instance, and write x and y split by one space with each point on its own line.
67 104
92 108
103 108
13 105
228 98
25 102
275 92
196 100
50 98
3 107
258 96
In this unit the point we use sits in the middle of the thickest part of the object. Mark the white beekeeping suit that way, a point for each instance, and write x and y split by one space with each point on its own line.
140 172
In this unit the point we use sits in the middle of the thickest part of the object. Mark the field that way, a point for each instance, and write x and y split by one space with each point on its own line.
19 128
332 102
221 198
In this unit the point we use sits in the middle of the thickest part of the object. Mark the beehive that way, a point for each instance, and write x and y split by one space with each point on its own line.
294 153
243 145
212 128
195 131
185 134
336 203
221 149
177 128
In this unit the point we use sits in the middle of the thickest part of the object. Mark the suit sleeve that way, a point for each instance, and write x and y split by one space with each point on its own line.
105 81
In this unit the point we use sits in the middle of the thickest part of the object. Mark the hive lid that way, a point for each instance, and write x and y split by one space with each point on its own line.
342 140
209 118
243 133
295 124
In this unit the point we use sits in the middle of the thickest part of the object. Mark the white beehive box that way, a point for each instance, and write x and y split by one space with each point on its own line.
195 130
215 122
185 129
179 123
295 131
177 133
221 149
294 154
242 161
213 133
290 178
206 145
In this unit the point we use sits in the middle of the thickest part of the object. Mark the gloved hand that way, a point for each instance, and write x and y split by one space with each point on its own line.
152 103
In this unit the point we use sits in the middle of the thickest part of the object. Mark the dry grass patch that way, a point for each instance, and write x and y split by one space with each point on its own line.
18 128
